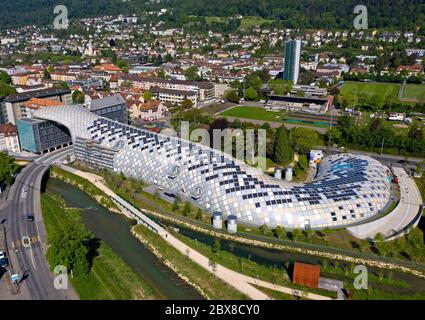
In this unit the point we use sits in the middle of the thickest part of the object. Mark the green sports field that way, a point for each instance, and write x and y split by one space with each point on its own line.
253 113
256 113
414 92
371 89
411 93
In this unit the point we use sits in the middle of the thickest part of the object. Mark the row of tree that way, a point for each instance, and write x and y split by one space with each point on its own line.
377 135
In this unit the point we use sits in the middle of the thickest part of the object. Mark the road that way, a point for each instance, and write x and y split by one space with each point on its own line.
28 257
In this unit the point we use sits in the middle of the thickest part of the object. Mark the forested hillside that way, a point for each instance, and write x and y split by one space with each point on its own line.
390 14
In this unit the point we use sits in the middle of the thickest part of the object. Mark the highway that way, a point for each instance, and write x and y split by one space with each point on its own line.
27 257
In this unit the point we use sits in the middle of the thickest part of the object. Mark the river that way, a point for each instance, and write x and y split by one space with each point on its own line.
114 229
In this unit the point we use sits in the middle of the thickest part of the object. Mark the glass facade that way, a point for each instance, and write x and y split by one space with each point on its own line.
38 136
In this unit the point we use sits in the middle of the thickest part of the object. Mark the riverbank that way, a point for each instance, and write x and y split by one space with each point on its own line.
195 276
207 284
84 185
240 281
109 277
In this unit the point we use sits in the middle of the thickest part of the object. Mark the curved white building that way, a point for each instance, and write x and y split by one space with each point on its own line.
349 189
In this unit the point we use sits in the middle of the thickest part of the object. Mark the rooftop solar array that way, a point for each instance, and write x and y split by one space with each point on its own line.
348 188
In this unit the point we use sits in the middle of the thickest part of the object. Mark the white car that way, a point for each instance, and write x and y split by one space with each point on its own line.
2 256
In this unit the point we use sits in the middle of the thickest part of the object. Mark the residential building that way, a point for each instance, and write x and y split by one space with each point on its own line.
149 111
173 96
9 139
11 105
292 60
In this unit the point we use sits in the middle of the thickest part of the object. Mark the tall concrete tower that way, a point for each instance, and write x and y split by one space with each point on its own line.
291 68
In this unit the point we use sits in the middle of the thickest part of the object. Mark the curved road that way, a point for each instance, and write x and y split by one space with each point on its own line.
27 257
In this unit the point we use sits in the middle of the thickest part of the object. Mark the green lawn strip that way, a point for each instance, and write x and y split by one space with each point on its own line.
371 88
377 294
421 186
277 295
273 274
347 275
254 113
110 277
214 287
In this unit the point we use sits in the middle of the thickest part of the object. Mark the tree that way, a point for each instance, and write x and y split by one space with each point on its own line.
376 102
199 214
186 209
283 152
216 246
4 77
62 85
264 229
5 89
304 139
191 73
176 205
69 246
251 94
161 74
232 96
78 97
364 245
280 232
252 80
147 96
123 65
46 74
8 168
296 234
280 87
186 104
416 131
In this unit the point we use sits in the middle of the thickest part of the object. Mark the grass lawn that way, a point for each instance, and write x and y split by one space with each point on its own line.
252 21
214 287
212 19
414 92
261 114
370 89
110 278
254 113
